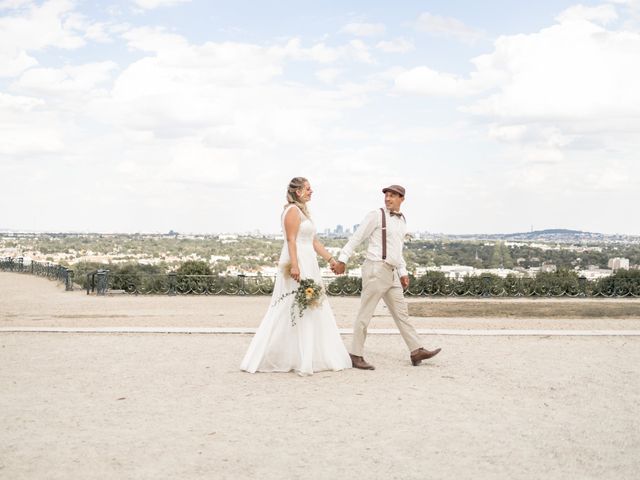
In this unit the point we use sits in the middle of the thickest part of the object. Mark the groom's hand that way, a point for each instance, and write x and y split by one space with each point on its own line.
404 281
339 268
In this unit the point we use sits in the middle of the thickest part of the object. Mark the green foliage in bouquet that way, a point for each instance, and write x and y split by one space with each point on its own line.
308 295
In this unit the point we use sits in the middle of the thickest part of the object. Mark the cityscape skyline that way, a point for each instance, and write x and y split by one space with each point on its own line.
153 115
340 231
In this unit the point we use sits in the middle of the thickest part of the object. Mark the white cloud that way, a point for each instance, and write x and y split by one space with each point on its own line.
328 75
576 72
151 4
27 128
100 32
13 4
320 52
203 108
364 29
34 28
602 14
359 51
397 45
14 103
547 136
571 71
425 81
66 81
447 27
425 135
354 50
14 62
151 39
42 26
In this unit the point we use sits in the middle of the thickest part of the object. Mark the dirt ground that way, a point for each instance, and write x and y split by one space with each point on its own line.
563 308
33 301
176 406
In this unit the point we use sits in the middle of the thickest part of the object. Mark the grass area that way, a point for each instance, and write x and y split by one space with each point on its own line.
538 308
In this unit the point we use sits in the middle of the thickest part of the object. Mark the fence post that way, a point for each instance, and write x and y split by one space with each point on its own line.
486 280
69 280
101 288
242 277
20 264
172 283
582 284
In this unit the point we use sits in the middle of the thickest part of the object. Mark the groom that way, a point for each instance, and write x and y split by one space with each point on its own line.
384 275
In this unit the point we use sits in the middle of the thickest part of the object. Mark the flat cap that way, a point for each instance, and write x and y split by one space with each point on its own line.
394 188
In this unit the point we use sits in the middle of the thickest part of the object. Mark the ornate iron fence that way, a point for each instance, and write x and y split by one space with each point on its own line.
492 286
42 269
103 281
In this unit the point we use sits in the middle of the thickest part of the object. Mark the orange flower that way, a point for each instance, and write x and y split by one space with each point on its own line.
309 292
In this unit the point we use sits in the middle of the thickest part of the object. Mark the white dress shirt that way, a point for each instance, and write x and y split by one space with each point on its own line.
371 229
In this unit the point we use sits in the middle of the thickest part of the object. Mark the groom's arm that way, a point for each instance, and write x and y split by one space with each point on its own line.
362 233
402 268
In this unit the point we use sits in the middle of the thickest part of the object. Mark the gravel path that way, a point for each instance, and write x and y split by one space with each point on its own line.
175 406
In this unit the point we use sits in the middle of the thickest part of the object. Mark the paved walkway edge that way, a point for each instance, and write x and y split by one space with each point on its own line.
347 331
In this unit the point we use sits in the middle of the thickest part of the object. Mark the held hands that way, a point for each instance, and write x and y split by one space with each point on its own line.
404 281
337 267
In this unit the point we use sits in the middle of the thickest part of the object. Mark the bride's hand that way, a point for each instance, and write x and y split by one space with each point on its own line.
295 273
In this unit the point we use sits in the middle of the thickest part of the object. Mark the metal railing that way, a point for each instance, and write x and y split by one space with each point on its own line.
491 286
42 269
103 281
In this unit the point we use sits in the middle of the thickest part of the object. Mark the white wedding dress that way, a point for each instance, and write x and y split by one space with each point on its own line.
313 344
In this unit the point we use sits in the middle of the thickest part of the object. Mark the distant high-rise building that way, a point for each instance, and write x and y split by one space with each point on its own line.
339 230
618 264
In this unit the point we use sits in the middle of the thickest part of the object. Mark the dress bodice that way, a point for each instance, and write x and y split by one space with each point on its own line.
307 230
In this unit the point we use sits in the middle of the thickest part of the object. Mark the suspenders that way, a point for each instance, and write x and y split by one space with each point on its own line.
384 235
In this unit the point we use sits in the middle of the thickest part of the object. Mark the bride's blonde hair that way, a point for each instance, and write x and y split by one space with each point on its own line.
296 184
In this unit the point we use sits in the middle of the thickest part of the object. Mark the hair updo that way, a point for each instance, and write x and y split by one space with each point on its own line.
296 184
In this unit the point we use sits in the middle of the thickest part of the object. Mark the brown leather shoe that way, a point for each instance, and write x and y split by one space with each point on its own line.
361 363
422 354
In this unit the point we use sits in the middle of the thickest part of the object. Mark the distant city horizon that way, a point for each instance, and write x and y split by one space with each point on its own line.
337 231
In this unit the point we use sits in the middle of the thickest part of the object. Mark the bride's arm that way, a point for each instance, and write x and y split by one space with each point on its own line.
291 227
322 251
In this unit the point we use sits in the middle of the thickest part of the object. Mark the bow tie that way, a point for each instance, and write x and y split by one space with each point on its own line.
395 214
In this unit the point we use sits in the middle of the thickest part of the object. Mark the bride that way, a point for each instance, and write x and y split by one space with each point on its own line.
288 339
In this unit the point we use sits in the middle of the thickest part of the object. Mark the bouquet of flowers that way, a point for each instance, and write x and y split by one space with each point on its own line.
308 295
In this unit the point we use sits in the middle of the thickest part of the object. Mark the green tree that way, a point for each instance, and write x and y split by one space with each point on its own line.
622 283
194 267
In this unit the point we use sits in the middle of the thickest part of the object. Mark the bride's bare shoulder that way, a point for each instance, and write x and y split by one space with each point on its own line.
291 212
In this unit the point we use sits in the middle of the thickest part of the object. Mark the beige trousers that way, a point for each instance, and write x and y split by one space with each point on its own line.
381 281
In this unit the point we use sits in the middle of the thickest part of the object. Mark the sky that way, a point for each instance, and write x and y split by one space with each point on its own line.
191 115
